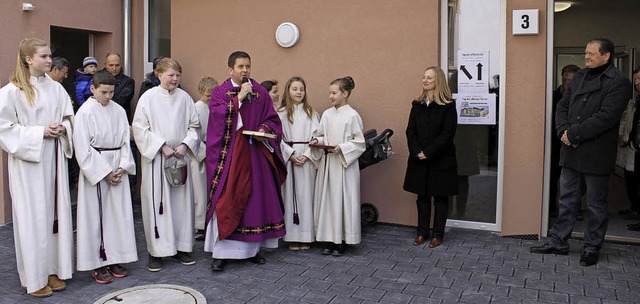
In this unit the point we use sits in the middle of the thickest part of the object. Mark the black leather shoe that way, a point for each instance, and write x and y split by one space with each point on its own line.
218 264
328 250
339 250
258 259
588 258
548 249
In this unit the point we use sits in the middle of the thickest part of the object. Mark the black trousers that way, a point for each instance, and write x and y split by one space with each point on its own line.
632 180
424 215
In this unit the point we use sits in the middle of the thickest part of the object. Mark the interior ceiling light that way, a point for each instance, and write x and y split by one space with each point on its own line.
560 6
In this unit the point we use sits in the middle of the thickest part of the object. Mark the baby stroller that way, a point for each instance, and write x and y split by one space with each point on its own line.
378 149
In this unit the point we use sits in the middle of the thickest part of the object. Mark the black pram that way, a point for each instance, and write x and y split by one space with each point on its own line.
378 149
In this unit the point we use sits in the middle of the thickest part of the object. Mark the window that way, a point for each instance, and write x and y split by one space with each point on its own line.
159 29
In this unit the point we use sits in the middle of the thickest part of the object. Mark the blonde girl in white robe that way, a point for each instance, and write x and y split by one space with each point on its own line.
105 234
198 164
35 131
299 122
337 191
164 127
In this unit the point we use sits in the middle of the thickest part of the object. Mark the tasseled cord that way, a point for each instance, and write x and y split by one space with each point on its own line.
55 201
153 196
161 189
296 219
103 253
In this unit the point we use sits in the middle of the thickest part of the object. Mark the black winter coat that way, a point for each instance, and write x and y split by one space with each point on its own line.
123 92
590 111
431 129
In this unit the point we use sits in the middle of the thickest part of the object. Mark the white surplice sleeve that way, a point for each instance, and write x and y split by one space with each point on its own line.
148 142
95 167
191 140
22 142
354 143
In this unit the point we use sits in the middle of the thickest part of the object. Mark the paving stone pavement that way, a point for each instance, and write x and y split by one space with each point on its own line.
470 267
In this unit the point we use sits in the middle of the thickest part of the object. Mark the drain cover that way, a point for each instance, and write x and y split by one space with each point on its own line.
154 294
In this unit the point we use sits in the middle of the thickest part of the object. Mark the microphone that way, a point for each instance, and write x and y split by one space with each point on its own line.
245 80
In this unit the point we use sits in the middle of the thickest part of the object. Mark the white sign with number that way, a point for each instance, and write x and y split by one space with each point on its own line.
525 22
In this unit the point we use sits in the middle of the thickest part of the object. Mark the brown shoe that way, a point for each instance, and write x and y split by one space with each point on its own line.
418 241
43 293
435 242
55 283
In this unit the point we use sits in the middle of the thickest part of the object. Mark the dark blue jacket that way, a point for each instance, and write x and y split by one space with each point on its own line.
82 82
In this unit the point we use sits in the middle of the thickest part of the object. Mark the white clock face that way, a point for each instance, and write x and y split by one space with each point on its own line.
287 34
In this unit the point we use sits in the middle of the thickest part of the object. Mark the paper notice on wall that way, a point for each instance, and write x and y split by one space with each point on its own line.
473 72
476 109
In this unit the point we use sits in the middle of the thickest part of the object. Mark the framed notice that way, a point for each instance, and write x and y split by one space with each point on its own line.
476 109
473 72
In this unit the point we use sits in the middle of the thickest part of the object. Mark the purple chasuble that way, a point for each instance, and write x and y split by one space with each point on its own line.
263 217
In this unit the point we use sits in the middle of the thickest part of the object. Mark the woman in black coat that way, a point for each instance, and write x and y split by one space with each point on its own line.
432 170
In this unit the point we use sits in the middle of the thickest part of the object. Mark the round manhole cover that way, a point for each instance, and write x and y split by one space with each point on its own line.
156 294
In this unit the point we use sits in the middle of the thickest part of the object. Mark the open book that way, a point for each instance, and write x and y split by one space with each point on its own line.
260 134
319 146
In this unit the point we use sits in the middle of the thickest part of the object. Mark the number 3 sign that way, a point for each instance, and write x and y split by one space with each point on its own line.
525 22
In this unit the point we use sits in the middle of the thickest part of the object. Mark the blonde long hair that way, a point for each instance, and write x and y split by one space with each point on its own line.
287 101
20 77
442 92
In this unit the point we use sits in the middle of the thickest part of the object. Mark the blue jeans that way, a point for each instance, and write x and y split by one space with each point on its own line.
597 213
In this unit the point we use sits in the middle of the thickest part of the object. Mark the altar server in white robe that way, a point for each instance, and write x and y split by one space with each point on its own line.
105 233
337 192
35 131
299 122
164 127
198 164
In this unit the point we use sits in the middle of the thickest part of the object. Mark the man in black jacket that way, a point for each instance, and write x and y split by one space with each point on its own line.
125 85
587 121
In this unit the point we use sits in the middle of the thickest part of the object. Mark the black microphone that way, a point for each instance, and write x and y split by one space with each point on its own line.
245 80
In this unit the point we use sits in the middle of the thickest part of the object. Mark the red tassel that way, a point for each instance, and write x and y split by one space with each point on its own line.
161 209
103 253
55 226
157 234
296 219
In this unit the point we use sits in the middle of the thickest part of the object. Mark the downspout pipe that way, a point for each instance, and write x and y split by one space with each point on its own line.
126 60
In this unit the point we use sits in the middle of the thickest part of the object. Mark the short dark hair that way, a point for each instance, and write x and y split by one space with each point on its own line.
572 68
268 84
636 70
59 63
606 46
103 77
234 56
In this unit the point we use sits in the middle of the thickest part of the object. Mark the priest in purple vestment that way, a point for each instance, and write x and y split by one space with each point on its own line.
244 173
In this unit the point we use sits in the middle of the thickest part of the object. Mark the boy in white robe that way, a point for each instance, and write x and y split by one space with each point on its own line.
105 232
198 164
35 131
164 127
337 193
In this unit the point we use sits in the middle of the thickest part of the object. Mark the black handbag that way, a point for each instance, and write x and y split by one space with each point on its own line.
378 147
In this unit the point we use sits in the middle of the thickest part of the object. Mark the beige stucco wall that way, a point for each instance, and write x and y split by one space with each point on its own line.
384 46
525 99
102 17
